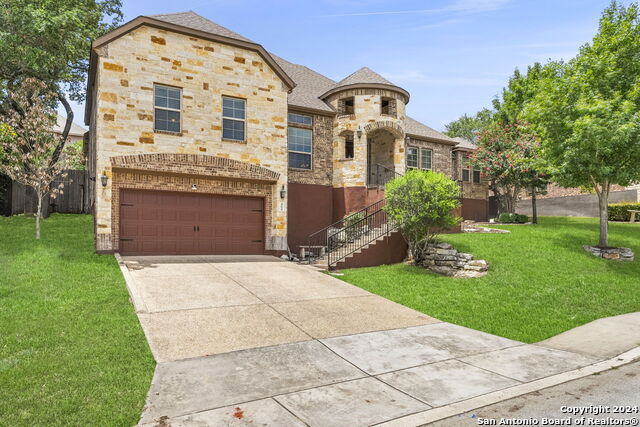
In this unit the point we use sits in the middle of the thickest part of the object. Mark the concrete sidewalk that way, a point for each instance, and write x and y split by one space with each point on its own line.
257 341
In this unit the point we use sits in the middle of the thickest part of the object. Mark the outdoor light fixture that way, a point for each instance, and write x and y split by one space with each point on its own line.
283 192
104 178
359 131
407 140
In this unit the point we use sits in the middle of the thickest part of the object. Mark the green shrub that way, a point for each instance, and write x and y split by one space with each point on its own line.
422 204
620 211
512 218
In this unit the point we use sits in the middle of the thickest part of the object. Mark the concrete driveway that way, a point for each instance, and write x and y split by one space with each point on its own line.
258 341
200 306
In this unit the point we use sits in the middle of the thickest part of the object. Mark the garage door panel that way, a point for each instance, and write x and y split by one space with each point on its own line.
155 223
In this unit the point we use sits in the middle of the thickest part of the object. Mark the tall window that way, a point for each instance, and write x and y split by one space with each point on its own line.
476 176
348 146
166 101
300 143
419 158
466 172
233 118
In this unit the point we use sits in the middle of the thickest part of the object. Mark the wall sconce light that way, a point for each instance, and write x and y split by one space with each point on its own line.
104 178
194 186
283 192
407 140
359 131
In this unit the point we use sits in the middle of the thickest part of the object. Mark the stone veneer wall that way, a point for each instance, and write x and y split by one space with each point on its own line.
321 172
129 66
367 108
469 189
441 159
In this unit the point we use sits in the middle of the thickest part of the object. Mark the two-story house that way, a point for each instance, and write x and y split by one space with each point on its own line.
203 142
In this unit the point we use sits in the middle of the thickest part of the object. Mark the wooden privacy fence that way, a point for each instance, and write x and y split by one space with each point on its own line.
16 199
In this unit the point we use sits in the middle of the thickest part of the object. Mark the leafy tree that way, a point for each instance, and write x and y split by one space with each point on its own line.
587 111
28 143
422 203
520 90
469 127
51 40
508 156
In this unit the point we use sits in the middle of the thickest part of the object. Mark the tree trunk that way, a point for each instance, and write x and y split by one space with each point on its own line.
38 215
603 205
534 207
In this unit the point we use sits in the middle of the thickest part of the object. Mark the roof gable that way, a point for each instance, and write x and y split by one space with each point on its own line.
191 19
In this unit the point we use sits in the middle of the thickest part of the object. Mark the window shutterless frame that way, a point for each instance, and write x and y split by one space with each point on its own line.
419 158
300 148
167 108
234 125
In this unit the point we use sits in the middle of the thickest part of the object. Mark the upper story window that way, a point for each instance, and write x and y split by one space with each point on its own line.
233 118
346 106
419 158
388 106
477 179
300 119
167 102
348 146
300 144
466 169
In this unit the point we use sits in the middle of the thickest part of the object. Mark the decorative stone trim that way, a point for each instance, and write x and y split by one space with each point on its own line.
391 126
618 254
441 258
195 164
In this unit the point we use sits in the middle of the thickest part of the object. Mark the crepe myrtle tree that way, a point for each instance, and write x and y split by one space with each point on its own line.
28 143
587 111
422 203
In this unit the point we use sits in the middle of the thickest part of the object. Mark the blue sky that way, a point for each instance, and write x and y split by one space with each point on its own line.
453 56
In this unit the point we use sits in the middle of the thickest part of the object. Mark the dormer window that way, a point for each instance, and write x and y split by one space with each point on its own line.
346 106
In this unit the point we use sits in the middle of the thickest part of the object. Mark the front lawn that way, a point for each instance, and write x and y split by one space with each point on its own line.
540 282
71 349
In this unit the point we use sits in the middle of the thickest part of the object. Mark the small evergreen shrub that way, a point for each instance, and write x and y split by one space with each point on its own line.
512 218
620 211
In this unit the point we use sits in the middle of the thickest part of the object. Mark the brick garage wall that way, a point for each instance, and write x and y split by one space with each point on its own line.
321 172
149 180
126 71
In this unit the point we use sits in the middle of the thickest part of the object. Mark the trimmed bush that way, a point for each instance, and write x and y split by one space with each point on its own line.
620 211
511 218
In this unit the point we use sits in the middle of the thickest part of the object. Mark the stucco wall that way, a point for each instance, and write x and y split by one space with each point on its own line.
127 70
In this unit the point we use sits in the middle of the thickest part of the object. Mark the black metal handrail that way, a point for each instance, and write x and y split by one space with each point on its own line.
318 242
359 233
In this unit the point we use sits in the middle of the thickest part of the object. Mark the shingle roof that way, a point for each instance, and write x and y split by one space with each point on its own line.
364 75
464 144
193 20
76 130
415 128
309 86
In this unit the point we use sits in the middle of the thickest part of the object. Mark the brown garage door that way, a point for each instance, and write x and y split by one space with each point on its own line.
168 223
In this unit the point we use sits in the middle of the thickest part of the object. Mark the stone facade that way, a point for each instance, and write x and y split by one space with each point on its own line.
470 190
383 134
129 66
441 157
321 172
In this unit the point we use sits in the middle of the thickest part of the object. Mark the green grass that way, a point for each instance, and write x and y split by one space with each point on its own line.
540 283
71 349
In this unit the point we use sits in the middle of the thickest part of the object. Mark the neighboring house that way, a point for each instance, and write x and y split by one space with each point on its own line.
76 133
475 190
201 141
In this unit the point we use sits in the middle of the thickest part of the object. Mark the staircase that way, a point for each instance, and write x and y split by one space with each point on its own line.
359 239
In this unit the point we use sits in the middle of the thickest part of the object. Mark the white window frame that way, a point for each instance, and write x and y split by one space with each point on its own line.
178 110
244 121
473 177
303 116
419 159
310 153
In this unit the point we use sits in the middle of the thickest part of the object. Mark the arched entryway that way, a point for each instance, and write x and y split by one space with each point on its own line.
383 148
